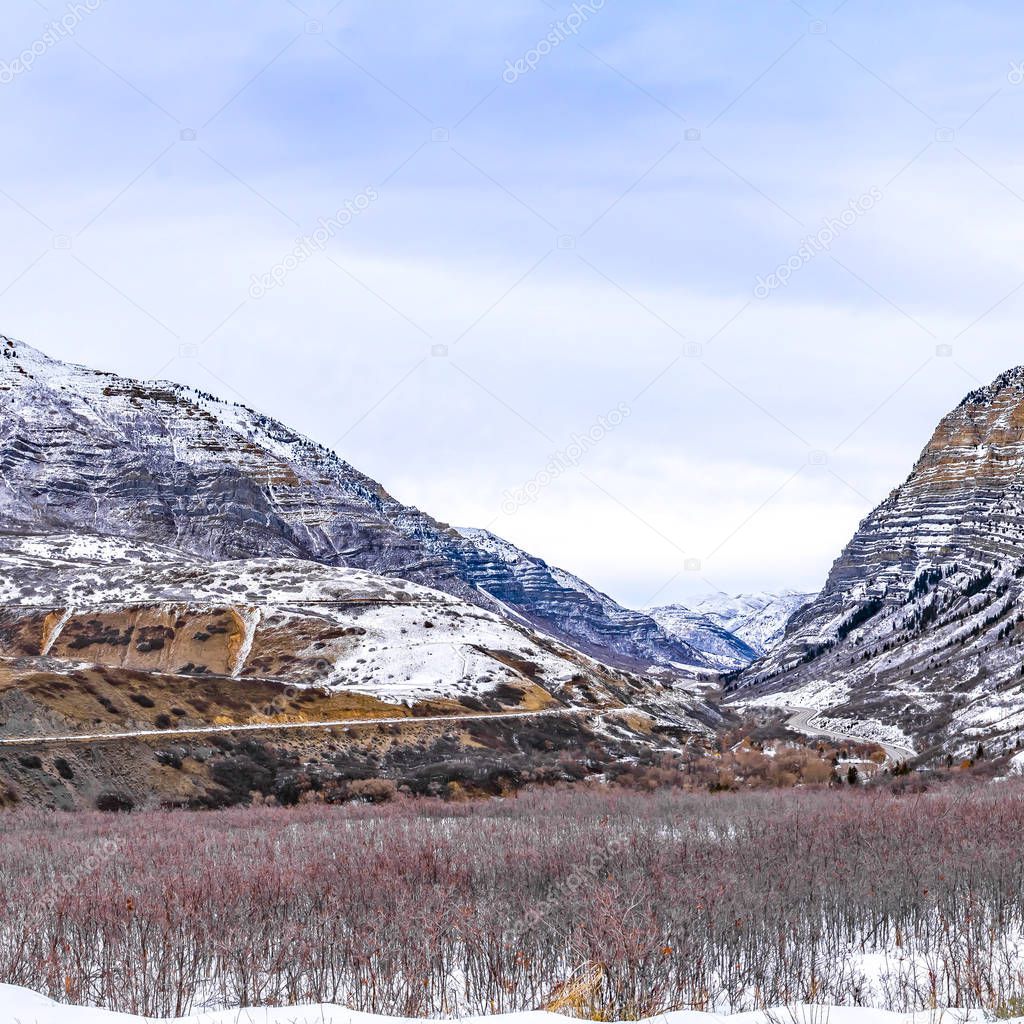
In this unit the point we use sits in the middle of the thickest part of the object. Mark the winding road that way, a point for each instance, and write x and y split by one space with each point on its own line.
802 720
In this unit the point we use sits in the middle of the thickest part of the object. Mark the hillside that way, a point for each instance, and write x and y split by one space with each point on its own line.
919 626
165 464
196 680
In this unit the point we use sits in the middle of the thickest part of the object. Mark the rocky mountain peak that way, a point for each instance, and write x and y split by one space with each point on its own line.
170 465
918 624
985 395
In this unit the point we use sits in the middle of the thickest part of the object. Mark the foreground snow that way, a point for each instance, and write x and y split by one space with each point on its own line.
20 1006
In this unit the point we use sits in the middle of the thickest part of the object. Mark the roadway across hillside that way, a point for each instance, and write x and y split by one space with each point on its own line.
802 720
212 730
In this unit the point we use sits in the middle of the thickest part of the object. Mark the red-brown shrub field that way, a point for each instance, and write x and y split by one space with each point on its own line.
637 904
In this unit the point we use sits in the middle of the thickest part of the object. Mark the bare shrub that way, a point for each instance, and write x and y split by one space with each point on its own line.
375 791
595 900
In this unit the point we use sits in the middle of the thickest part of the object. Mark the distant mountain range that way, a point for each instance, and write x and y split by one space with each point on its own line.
759 620
734 631
726 649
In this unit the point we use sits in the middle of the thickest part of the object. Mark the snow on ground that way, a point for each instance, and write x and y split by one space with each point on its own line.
809 704
988 710
413 661
865 729
1014 768
759 620
20 1006
815 696
119 574
90 547
413 642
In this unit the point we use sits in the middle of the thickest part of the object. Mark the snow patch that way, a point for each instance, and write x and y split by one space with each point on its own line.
26 1007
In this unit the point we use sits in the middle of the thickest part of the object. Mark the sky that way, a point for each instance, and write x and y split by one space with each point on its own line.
670 294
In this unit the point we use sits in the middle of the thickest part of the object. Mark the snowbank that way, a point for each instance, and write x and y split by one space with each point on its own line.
20 1006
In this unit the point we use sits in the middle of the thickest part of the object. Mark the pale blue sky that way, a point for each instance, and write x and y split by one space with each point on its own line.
541 250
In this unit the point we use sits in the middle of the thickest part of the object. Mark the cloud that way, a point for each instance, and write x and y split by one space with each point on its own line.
540 252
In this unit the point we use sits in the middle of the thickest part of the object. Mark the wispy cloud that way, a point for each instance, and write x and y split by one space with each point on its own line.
539 251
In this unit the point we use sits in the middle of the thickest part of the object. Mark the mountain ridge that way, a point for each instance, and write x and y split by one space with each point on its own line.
172 465
735 630
919 625
569 597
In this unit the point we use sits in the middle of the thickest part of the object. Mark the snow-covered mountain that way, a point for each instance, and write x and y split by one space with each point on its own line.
758 619
165 464
179 574
733 631
554 595
920 625
727 650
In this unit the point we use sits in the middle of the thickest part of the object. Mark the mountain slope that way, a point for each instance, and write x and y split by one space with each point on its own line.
102 601
595 621
727 650
919 626
202 682
759 620
168 465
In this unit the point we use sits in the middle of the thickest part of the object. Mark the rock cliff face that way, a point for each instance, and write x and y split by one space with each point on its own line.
168 465
920 625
